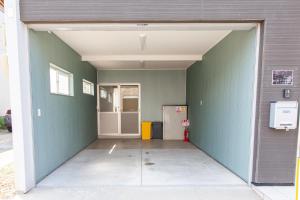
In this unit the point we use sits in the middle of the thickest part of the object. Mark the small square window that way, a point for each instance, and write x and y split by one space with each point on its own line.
87 87
103 93
61 81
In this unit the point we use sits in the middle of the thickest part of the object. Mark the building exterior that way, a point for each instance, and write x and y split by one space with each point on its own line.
274 151
4 74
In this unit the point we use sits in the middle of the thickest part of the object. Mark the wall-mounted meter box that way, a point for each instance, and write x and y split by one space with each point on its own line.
284 115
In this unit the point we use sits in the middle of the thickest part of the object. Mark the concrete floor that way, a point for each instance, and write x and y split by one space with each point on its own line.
135 163
276 192
132 169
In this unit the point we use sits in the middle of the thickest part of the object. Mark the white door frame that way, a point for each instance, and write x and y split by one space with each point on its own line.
119 134
20 97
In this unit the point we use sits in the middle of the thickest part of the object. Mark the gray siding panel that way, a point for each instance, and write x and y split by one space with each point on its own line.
275 150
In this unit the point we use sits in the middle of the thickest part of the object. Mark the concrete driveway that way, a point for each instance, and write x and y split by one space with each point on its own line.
132 169
142 193
7 188
6 153
5 140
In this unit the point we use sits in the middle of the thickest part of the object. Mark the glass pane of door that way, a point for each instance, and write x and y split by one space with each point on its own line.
109 109
129 95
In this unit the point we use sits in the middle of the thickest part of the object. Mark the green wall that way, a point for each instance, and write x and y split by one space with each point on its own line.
223 80
158 87
67 124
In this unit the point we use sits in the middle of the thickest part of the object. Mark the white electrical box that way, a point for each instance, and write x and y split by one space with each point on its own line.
284 115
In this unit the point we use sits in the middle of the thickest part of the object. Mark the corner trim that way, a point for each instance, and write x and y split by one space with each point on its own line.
20 96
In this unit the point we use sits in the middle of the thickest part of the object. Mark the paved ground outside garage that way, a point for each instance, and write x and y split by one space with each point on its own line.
5 140
7 188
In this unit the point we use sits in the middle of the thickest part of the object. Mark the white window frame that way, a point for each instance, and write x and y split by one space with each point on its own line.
92 87
60 70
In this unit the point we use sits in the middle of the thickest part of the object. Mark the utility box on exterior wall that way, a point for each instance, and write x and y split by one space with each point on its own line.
284 115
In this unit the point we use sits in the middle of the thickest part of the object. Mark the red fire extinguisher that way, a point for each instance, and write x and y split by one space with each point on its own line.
186 135
186 124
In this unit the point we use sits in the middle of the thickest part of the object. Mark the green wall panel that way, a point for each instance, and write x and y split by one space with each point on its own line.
223 81
67 124
158 87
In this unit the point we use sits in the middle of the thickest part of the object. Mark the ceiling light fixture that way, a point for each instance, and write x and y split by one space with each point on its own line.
143 38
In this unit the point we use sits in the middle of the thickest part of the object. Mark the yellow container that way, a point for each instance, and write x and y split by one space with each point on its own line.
146 130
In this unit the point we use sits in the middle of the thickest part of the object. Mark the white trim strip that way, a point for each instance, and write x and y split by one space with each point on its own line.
147 69
254 103
141 57
20 97
142 26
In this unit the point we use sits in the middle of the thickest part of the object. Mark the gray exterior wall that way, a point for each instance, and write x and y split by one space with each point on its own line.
275 150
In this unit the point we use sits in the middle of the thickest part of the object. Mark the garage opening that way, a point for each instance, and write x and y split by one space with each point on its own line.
135 70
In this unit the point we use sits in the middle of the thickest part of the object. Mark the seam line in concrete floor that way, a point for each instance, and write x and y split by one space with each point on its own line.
149 186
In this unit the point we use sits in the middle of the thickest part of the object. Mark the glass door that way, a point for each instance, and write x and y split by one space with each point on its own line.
109 109
130 109
119 109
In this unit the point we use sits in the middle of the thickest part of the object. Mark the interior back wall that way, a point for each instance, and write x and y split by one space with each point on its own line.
67 123
158 87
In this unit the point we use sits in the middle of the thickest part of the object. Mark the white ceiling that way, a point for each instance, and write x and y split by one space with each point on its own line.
142 46
127 49
128 42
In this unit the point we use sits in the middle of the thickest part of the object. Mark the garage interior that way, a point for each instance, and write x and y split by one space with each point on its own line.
211 68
